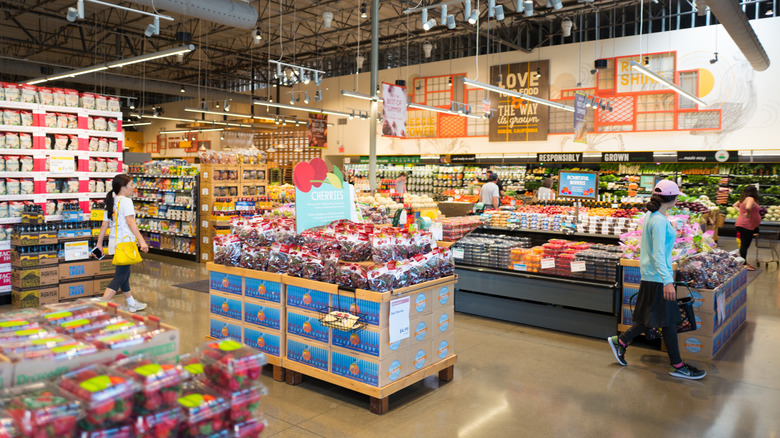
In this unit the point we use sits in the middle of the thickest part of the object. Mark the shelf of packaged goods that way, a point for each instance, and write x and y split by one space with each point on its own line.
165 190
175 250
167 233
144 175
146 216
59 109
18 128
18 220
142 199
561 233
58 175
160 201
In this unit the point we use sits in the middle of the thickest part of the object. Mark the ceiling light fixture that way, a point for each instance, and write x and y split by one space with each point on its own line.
318 96
506 92
76 13
658 78
538 73
427 24
363 11
556 4
715 59
528 8
186 131
359 95
327 19
427 48
306 97
292 98
298 108
258 35
450 22
153 28
500 12
182 90
566 26
450 82
132 125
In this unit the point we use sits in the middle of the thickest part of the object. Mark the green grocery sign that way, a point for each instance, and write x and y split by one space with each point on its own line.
393 159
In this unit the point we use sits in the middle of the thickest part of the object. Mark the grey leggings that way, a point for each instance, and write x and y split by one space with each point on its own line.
121 280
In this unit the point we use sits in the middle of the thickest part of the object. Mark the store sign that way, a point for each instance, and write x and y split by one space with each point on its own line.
420 124
393 110
317 131
633 81
321 197
578 184
580 121
627 157
389 159
707 156
466 158
517 119
559 158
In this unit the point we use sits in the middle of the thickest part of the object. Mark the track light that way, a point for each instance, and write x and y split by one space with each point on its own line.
450 82
715 59
317 79
292 99
538 73
473 17
491 10
556 4
528 8
363 13
306 97
227 106
647 60
352 115
318 96
216 105
258 36
566 26
327 19
500 12
427 24
154 28
73 14
450 22
182 90
444 15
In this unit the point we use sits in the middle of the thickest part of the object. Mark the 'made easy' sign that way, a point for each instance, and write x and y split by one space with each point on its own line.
515 119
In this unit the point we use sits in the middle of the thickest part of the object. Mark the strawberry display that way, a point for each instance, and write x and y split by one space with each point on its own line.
230 365
82 325
204 411
161 424
107 395
124 339
14 324
243 403
62 313
7 428
41 410
121 326
56 347
192 364
160 384
249 429
113 431
24 334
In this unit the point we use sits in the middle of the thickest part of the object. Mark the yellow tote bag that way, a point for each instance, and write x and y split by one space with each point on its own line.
125 253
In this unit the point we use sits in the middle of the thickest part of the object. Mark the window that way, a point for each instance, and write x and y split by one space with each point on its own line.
688 81
607 76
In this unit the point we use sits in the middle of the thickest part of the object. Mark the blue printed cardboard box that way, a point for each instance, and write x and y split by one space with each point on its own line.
223 328
370 341
373 312
226 305
367 369
442 346
264 290
227 283
421 356
422 302
307 299
443 295
307 352
262 314
268 341
420 330
443 320
307 325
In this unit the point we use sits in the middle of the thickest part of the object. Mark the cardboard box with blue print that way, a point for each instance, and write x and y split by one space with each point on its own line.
627 315
706 299
700 344
371 370
270 342
306 298
226 305
443 320
443 295
370 341
225 279
307 325
263 315
223 328
264 286
421 355
77 289
307 352
442 346
78 270
420 330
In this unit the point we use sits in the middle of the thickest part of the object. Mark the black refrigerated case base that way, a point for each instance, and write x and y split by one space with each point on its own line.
583 307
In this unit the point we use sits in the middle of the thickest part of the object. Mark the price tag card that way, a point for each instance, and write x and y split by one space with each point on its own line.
548 263
76 251
399 319
615 205
457 254
577 266
62 164
520 267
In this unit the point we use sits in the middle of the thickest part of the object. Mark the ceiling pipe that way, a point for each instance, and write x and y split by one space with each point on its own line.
231 13
734 20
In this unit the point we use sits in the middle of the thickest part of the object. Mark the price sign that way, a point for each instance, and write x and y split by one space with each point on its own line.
399 319
577 266
615 205
457 253
520 267
548 263
76 251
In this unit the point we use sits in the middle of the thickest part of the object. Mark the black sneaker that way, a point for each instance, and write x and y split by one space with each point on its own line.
687 372
618 350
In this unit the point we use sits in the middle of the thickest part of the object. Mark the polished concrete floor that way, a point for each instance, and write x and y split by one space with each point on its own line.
514 380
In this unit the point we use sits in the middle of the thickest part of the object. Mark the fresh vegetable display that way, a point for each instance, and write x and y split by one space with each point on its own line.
204 411
107 396
41 410
160 384
230 365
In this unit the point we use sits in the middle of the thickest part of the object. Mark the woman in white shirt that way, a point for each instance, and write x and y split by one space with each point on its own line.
120 219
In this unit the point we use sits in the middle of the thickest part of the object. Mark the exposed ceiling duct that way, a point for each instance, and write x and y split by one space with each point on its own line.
734 20
231 13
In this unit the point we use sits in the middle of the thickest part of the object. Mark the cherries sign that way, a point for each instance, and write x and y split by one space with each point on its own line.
314 174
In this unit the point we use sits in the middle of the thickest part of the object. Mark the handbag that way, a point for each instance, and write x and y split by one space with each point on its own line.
125 253
687 317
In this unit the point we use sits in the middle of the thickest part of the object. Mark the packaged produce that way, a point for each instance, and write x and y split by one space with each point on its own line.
100 123
11 140
106 395
165 423
26 118
25 334
26 161
12 163
125 339
2 140
41 410
93 146
50 120
77 326
160 384
204 411
15 208
122 326
73 121
113 104
109 431
352 275
42 349
26 186
88 100
228 364
243 403
61 142
29 93
57 314
101 103
45 96
71 98
111 125
7 427
2 186
62 120
12 324
12 117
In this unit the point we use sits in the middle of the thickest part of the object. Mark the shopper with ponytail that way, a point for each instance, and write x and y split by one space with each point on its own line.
748 220
120 220
656 303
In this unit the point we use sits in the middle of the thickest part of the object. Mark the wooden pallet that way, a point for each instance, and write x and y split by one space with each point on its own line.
380 397
275 362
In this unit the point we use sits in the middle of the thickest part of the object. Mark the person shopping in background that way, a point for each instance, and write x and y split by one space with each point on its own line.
488 194
120 219
656 303
400 184
545 191
748 220
499 183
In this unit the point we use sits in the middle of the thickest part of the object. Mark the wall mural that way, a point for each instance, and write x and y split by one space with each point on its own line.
515 119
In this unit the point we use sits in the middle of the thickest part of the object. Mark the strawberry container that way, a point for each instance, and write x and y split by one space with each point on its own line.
120 326
161 424
55 347
192 364
76 327
41 410
24 334
58 314
125 339
250 429
110 431
160 384
107 396
11 324
244 403
205 411
7 428
230 365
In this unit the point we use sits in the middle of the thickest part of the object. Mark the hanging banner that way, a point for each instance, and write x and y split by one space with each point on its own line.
580 122
393 110
317 131
514 118
321 197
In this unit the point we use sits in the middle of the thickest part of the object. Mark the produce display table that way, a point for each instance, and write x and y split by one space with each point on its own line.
288 327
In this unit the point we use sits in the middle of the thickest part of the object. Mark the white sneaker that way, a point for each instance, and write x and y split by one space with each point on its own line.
137 307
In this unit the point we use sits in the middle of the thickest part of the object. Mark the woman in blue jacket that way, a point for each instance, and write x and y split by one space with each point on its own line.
656 304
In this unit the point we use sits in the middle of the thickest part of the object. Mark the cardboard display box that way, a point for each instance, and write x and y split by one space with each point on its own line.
32 260
706 346
29 278
370 341
77 289
370 370
78 270
223 328
443 320
264 286
25 298
221 280
99 285
307 325
443 346
421 355
270 342
307 352
226 305
309 295
421 330
264 316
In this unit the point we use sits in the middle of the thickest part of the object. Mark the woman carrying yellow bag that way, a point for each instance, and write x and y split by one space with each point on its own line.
120 219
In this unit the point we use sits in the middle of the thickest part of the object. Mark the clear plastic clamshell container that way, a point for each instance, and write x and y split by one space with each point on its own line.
244 403
204 411
107 396
160 383
162 424
251 428
77 326
58 314
110 431
24 334
121 326
41 410
193 365
125 339
228 364
12 323
7 427
55 347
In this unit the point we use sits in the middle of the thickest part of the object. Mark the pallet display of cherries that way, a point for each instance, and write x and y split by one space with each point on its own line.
215 392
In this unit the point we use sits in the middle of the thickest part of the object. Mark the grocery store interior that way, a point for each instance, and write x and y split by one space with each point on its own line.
419 217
